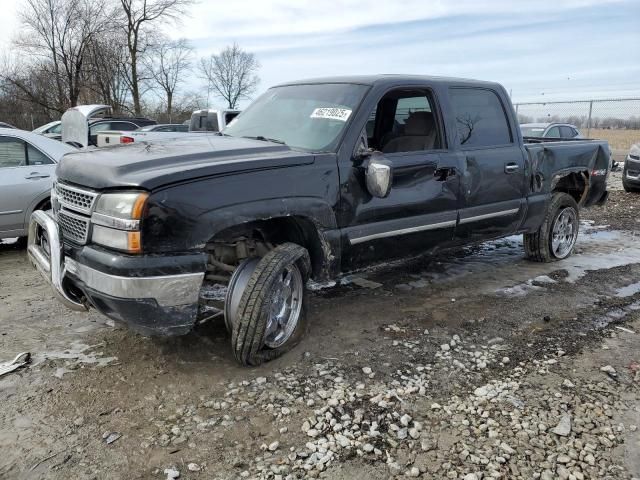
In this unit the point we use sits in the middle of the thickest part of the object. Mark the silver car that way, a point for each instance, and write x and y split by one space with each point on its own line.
27 169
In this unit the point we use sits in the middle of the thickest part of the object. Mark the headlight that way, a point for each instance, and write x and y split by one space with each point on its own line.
116 220
122 205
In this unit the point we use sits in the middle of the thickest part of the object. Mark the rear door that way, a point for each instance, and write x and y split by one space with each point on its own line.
25 174
492 183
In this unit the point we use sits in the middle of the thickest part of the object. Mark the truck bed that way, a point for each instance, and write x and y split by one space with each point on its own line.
550 159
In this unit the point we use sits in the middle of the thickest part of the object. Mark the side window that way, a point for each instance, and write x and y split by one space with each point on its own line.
568 132
99 127
56 129
553 132
404 121
229 116
36 157
480 118
12 152
125 126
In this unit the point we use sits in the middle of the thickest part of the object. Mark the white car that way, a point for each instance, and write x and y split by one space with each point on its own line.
203 121
52 130
27 169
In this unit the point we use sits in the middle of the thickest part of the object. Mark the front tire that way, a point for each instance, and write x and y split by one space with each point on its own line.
630 188
556 237
271 315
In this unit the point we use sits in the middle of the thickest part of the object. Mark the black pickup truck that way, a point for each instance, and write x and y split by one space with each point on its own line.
315 178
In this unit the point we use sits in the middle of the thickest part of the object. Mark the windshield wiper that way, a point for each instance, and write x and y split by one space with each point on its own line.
266 139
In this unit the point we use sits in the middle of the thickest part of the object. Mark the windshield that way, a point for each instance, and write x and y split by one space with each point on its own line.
306 117
532 131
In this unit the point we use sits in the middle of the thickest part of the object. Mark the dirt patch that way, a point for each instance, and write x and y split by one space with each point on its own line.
460 366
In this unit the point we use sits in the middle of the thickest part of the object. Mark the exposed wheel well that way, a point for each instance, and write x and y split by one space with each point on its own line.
575 184
256 237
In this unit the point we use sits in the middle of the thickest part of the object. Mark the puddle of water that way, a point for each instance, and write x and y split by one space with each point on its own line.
504 270
78 352
629 290
615 315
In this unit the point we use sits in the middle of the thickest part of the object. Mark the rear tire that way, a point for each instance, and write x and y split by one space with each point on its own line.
555 239
265 294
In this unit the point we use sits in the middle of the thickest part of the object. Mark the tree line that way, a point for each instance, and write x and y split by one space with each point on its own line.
113 52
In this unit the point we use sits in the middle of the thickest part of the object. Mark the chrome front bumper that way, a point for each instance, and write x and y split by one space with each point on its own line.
44 250
46 254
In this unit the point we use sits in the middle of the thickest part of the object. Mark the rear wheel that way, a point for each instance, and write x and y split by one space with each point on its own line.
270 317
556 237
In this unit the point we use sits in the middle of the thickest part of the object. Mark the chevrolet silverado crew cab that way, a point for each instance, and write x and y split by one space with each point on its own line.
315 178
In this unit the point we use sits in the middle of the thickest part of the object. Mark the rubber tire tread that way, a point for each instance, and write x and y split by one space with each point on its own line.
630 188
537 246
253 310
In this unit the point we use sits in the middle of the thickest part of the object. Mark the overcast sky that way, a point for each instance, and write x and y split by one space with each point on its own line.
542 49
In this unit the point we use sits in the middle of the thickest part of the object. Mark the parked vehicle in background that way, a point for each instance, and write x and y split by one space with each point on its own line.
550 130
27 165
6 125
209 120
165 127
81 124
52 130
295 188
631 171
202 121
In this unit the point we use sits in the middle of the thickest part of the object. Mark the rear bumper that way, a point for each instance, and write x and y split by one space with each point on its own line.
149 304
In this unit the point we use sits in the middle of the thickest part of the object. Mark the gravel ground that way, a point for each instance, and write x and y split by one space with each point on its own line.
473 365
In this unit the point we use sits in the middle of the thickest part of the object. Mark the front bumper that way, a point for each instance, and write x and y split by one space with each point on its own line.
150 304
631 171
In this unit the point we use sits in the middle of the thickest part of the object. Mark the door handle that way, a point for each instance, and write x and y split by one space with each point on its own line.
511 167
443 173
36 176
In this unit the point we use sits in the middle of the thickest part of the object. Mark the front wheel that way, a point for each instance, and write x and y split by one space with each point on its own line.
270 317
630 188
556 237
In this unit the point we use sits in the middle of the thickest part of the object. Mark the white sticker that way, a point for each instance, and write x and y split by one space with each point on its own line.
331 113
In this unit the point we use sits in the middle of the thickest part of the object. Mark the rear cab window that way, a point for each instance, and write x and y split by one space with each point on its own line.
481 119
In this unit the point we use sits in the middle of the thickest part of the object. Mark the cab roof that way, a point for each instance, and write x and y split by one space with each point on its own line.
392 80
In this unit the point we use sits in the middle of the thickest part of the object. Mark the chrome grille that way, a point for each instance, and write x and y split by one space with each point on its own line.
74 227
75 199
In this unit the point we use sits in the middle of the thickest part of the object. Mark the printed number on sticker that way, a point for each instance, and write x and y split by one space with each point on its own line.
341 114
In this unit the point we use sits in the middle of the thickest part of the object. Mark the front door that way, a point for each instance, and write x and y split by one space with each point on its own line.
421 210
25 173
492 178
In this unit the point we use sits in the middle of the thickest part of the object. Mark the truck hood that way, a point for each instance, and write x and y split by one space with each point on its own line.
151 165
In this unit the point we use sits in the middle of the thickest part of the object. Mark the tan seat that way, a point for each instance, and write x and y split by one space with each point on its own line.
419 134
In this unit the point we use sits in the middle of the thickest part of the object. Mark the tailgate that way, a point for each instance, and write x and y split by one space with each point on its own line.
109 138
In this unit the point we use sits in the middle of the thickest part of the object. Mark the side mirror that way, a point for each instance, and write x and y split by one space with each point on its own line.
379 175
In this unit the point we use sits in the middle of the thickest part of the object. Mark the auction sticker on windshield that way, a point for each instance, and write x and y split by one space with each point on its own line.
331 113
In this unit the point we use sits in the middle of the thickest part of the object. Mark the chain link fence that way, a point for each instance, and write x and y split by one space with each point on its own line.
616 120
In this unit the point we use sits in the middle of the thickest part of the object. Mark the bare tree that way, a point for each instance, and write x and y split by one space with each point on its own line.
54 41
139 17
107 65
168 63
232 74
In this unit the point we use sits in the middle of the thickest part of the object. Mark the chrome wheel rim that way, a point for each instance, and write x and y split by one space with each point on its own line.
564 233
286 305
